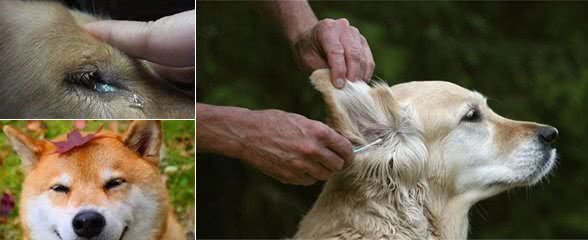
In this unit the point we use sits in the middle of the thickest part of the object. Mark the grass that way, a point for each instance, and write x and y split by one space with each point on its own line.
178 165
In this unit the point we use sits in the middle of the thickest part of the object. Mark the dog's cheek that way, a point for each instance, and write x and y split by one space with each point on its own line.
143 207
43 218
119 194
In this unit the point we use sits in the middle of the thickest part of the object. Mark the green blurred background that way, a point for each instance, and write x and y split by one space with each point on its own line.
529 58
177 166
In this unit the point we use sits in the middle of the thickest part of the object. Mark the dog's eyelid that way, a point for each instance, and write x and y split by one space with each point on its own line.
92 78
114 182
59 188
472 115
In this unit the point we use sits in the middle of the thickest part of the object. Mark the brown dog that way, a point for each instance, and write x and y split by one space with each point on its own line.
106 188
51 68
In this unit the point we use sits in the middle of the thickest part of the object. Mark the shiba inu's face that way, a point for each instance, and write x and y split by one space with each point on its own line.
106 189
51 68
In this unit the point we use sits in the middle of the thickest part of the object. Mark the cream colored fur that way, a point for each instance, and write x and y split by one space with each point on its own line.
431 166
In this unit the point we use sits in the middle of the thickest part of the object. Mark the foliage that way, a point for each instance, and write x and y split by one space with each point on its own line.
529 58
177 165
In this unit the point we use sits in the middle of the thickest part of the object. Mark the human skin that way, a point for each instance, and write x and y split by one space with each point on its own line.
168 43
289 147
286 146
327 43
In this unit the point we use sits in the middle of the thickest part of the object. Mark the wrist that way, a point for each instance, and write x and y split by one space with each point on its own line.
294 17
294 33
220 129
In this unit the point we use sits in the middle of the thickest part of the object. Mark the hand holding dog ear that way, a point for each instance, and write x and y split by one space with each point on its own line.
336 45
287 146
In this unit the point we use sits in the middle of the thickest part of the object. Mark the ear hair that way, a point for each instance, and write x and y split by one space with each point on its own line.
364 114
145 137
27 148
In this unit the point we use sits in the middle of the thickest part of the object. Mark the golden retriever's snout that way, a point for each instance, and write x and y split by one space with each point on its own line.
547 134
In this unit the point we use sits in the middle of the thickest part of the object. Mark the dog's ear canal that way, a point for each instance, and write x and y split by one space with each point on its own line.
144 137
27 148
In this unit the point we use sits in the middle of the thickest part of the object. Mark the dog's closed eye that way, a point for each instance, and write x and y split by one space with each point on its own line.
113 183
59 188
91 78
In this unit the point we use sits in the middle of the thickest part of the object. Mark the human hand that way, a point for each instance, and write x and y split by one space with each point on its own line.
336 45
291 148
168 41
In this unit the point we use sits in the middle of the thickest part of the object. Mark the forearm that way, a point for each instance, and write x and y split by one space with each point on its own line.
295 17
218 129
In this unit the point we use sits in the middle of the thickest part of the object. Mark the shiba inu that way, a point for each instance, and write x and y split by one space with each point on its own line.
104 186
51 68
442 149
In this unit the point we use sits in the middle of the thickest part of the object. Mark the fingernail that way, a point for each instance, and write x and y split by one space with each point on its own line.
340 82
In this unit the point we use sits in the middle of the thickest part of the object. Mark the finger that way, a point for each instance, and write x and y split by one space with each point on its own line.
371 64
353 54
312 168
318 171
168 41
180 75
334 51
340 145
331 160
303 179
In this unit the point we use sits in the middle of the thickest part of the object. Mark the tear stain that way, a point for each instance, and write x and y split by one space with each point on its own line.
136 101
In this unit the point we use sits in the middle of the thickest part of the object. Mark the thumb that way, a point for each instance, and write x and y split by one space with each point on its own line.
167 41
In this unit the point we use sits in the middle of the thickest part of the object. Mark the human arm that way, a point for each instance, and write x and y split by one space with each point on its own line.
286 146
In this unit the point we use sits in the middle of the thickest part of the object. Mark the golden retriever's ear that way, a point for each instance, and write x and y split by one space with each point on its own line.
363 114
356 111
145 137
27 148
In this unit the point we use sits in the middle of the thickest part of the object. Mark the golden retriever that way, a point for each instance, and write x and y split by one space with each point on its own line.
442 150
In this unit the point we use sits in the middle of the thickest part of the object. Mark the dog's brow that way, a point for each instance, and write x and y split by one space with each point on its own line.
480 98
109 174
63 179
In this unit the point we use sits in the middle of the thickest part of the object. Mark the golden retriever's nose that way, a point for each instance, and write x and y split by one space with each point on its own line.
547 134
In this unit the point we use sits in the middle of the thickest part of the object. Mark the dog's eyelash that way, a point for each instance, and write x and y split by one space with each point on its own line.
114 183
89 77
59 188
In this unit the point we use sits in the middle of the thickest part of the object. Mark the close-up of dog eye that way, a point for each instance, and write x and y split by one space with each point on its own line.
473 115
114 183
59 188
91 78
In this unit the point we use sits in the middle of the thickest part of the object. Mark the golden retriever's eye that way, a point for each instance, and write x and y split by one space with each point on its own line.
112 183
59 188
473 115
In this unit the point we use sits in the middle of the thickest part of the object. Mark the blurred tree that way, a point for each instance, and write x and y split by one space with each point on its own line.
529 58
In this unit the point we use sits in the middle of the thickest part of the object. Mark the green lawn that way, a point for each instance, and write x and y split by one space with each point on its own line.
178 164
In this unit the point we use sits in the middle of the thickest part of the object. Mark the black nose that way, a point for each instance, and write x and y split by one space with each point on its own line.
547 134
88 224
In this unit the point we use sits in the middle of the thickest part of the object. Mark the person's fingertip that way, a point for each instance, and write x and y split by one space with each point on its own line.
340 83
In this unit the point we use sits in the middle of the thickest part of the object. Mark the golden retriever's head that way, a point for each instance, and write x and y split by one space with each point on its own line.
437 132
51 68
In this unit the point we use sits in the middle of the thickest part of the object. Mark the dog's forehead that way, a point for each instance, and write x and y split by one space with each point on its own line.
435 91
105 151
